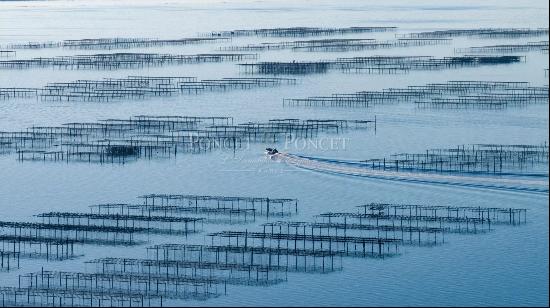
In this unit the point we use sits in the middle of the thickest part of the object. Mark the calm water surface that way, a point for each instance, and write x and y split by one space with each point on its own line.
506 267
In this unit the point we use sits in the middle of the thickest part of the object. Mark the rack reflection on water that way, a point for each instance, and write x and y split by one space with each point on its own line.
377 64
262 258
124 140
451 94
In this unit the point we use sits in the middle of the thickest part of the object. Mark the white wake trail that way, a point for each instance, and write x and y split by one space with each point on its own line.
513 184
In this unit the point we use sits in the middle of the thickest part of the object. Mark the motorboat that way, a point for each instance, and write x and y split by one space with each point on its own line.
271 151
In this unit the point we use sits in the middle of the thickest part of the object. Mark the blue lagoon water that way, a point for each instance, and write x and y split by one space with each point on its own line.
506 267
